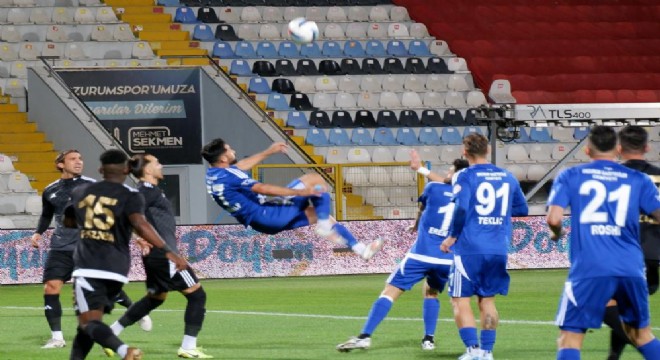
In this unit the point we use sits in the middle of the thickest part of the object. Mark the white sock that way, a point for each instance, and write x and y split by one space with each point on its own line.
123 349
325 224
57 335
117 328
359 248
189 342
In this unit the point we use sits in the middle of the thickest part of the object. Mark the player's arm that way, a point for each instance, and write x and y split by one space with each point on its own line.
554 220
48 210
416 164
274 190
415 226
519 206
249 162
148 233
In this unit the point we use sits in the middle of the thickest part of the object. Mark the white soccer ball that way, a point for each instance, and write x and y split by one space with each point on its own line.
303 31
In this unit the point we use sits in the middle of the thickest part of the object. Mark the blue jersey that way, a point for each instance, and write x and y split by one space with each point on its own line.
606 199
434 222
231 188
486 197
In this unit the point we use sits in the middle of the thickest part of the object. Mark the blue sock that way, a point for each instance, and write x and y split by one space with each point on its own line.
430 311
344 233
568 354
469 336
488 339
322 206
651 350
378 312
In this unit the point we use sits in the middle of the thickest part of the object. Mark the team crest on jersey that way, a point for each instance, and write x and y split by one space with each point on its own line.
457 189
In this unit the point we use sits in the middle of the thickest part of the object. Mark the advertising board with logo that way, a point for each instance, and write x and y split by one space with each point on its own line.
156 111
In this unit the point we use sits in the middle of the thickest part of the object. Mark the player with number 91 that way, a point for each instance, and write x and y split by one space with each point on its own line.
606 199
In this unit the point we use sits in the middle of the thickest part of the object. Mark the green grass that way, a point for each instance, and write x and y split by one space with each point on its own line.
304 318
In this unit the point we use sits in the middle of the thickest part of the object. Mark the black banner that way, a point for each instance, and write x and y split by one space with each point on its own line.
153 111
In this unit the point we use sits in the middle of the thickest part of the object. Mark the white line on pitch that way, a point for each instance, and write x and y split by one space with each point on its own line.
315 316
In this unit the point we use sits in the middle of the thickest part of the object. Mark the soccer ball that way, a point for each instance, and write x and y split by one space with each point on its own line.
303 31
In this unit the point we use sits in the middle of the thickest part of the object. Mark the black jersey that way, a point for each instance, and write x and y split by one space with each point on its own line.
54 199
649 228
102 210
160 214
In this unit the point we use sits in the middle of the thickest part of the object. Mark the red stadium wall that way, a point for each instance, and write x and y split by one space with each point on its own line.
231 251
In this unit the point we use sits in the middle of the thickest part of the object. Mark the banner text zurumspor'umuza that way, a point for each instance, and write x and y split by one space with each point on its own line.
154 111
231 251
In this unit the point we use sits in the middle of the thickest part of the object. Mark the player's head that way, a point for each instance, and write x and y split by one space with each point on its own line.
69 163
602 142
456 166
114 165
146 167
633 140
475 146
218 152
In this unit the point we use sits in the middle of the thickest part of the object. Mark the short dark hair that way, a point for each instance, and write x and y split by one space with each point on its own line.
475 144
60 157
213 150
602 138
460 164
633 138
137 163
113 157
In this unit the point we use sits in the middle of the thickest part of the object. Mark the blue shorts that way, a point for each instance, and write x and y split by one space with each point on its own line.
582 305
282 214
481 275
411 271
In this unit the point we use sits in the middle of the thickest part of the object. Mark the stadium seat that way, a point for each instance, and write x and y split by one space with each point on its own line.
436 82
518 171
389 100
358 14
453 117
300 102
264 68
418 48
259 85
326 83
581 132
306 67
536 171
411 99
266 50
354 49
28 51
123 33
185 15
316 137
277 101
449 153
240 68
310 50
563 134
428 153
350 67
33 205
336 14
500 92
433 99
222 50
348 84
384 136
396 48
371 66
397 31
419 31
393 66
409 118
457 83
83 16
329 67
6 164
339 137
355 176
476 98
455 99
392 83
356 30
414 65
406 136
341 119
376 196
365 119
207 15
40 15
105 14
345 101
358 155
379 176
540 152
288 49
516 153
540 134
336 155
226 32
292 12
331 49
382 154
19 183
413 82
297 119
451 136
319 119
368 100
523 136
250 14
62 15
244 49
436 65
101 33
304 84
429 136
431 118
361 137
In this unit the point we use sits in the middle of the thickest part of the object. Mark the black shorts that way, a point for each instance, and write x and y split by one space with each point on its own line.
59 265
163 277
95 294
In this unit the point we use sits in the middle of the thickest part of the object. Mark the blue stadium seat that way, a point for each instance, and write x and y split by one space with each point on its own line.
203 32
429 136
288 49
245 50
418 48
169 3
259 85
185 15
316 137
540 134
471 129
297 119
338 136
384 136
406 136
375 48
354 49
331 49
223 50
581 132
396 48
240 67
361 136
266 49
524 136
310 50
277 101
451 136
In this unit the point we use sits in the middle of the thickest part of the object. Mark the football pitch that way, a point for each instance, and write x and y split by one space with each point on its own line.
305 318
